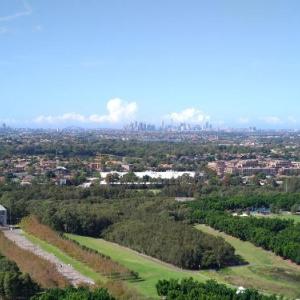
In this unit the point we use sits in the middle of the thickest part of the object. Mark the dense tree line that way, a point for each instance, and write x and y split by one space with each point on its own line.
247 200
72 293
173 242
92 216
92 211
14 284
96 261
134 223
77 218
188 289
23 200
90 145
40 270
280 236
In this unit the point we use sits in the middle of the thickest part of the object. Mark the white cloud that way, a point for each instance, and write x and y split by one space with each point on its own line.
272 120
62 118
27 10
191 115
117 111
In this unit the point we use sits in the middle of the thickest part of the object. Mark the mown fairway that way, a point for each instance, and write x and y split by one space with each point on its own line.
266 271
150 270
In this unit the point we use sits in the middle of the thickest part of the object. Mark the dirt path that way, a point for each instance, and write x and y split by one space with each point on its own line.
66 270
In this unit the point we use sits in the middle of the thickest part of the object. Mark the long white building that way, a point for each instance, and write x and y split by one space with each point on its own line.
153 174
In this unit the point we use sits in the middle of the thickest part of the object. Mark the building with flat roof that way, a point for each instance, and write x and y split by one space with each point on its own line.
3 216
154 174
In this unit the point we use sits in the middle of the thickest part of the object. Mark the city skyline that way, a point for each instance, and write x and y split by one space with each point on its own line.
105 64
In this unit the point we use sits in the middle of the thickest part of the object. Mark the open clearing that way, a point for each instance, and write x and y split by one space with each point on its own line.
266 271
150 270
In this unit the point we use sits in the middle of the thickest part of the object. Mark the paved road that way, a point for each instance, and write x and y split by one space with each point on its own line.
66 270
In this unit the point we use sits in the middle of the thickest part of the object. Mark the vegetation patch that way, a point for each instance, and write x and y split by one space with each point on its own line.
89 262
278 274
280 236
14 284
266 271
284 216
211 290
99 263
173 242
150 270
63 257
81 293
41 270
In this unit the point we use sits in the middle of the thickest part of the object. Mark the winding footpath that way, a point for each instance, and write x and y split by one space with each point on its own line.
67 271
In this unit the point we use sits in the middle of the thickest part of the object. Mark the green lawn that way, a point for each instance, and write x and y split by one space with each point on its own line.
296 218
77 265
266 271
284 215
149 270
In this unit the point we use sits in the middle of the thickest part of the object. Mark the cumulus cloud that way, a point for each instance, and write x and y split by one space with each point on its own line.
117 111
272 120
191 115
61 118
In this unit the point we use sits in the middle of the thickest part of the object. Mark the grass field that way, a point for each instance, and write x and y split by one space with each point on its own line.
77 265
284 216
266 271
149 270
296 218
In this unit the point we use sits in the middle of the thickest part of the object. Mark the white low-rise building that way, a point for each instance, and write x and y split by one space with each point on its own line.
153 174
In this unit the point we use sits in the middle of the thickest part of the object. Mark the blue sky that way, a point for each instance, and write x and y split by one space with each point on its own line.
105 62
